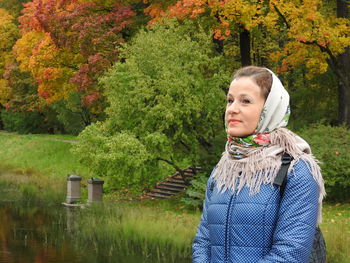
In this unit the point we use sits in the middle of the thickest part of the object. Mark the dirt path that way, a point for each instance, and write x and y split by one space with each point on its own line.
44 138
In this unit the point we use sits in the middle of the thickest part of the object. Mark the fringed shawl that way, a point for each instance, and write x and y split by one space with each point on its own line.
262 165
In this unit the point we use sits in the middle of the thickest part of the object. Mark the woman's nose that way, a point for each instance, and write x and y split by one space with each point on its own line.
233 107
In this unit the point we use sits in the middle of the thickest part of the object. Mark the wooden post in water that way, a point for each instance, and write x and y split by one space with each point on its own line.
73 189
95 190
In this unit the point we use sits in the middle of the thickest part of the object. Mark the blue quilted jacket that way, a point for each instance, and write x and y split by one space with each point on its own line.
243 228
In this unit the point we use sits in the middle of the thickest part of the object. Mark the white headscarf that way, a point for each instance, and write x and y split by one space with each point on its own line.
276 110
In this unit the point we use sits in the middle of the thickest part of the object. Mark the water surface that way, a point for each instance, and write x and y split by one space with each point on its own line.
45 233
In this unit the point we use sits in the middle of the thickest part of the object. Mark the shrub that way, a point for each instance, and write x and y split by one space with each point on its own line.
23 122
330 145
72 116
305 97
195 193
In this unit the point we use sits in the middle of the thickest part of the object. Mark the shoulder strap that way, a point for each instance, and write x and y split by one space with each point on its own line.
281 178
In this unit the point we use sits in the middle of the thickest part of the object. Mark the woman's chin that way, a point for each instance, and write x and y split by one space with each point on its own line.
232 132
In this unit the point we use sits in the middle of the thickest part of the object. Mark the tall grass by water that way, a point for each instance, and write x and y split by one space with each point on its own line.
153 232
25 188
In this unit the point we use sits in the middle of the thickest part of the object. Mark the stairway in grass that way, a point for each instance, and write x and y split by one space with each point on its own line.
171 186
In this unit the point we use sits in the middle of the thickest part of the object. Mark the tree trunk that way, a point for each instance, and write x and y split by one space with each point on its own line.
244 44
344 88
343 74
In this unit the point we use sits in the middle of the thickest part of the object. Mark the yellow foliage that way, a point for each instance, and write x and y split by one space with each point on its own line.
8 31
8 35
311 32
50 66
241 12
5 92
24 48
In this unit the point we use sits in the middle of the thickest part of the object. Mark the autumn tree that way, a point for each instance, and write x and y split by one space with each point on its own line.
319 37
66 45
234 21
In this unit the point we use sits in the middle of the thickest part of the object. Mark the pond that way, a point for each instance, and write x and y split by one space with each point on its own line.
39 233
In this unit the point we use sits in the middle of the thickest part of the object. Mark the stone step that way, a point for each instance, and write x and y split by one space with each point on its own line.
175 185
164 187
157 196
186 174
162 192
175 181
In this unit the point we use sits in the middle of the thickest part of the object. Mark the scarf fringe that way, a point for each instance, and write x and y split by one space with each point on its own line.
262 165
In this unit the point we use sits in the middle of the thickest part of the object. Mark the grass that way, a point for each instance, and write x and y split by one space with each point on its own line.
39 167
336 231
40 153
27 188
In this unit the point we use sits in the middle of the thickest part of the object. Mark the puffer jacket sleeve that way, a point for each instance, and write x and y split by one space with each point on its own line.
201 242
297 219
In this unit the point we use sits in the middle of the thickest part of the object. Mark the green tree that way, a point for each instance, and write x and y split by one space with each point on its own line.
14 7
166 104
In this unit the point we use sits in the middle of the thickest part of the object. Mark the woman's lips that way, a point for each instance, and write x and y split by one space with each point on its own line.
233 121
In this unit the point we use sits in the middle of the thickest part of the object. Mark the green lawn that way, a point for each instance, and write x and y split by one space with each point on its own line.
336 230
44 154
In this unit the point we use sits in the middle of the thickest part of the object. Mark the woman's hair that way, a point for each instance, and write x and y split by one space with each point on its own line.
261 76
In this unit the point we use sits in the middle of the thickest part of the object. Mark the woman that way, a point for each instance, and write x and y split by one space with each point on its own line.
245 219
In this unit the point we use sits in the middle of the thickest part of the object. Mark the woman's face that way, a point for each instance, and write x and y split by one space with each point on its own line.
244 105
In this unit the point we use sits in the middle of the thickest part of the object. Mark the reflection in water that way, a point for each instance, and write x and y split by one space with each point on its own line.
36 234
29 235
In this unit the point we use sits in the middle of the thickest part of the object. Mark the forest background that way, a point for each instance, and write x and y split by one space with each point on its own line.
143 83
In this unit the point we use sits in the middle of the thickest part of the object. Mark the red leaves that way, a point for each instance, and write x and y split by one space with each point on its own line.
87 74
79 30
49 73
44 94
89 99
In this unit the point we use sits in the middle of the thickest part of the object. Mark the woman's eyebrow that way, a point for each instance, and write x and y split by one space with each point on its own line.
244 95
240 95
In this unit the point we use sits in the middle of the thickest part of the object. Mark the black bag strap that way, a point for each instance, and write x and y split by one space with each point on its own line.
281 178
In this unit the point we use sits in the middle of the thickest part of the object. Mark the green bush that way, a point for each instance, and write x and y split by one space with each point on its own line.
71 114
305 98
166 103
195 193
330 145
23 122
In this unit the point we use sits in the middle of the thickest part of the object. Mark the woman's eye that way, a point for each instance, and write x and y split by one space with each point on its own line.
229 101
245 101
